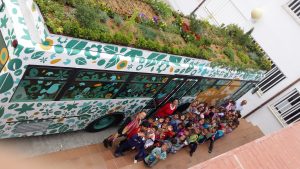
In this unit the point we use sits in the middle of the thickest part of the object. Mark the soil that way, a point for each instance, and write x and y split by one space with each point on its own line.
128 7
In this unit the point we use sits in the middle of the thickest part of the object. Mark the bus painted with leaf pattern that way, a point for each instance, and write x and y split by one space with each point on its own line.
53 84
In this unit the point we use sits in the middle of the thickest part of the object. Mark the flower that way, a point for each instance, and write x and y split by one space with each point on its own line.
43 59
93 52
11 36
130 66
155 19
62 41
47 44
3 56
122 64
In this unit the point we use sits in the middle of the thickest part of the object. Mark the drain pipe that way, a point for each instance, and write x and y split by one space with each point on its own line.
271 98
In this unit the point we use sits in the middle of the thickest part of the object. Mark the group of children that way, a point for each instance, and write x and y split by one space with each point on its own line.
158 136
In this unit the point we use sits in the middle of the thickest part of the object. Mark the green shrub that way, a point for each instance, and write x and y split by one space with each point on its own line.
264 63
103 17
118 20
234 32
189 37
106 37
191 50
147 32
195 25
172 29
161 8
71 27
229 53
148 44
206 54
87 15
122 38
141 42
205 41
243 57
102 28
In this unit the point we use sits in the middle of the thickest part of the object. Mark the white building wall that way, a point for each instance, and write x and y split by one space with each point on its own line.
279 35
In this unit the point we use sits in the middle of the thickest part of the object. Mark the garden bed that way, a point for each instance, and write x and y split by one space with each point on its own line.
152 25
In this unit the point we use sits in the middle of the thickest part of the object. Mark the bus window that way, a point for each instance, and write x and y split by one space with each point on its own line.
243 90
168 89
183 89
218 91
143 86
3 52
201 85
94 85
41 84
230 89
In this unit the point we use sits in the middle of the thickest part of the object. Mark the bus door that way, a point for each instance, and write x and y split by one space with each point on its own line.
188 84
163 95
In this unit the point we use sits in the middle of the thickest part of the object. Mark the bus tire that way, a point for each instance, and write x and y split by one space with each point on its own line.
105 122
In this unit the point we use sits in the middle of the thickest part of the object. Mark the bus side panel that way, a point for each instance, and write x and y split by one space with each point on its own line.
31 119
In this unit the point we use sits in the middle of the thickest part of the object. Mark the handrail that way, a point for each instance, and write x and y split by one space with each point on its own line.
267 101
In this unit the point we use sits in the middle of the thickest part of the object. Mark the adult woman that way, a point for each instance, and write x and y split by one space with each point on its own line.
168 109
192 108
129 128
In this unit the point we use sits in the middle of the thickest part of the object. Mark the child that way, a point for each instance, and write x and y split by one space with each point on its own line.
211 136
136 141
150 138
192 140
167 120
159 122
178 144
151 121
201 136
158 153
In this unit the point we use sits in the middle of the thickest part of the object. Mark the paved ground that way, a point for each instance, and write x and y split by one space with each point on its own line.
97 157
51 143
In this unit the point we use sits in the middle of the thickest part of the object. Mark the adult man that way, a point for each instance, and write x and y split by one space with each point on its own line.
239 106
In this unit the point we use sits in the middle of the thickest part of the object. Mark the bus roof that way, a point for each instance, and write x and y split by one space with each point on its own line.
36 46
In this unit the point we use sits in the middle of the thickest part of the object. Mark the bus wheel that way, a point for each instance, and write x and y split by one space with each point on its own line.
105 122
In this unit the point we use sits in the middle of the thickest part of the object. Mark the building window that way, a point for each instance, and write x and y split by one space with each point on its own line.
287 109
273 77
293 8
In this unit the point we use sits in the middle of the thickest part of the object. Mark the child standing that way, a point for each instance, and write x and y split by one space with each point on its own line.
192 140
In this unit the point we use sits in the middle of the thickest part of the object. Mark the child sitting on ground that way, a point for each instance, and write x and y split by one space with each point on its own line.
158 153
180 142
